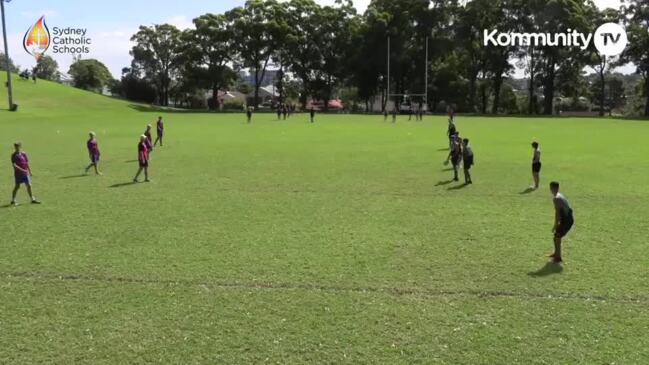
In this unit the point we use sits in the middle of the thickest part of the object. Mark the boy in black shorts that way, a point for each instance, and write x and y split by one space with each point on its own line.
467 157
563 220
536 165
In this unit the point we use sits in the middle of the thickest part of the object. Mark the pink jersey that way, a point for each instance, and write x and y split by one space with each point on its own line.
143 152
21 160
93 147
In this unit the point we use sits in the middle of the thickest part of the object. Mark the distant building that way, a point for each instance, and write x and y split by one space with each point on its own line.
269 77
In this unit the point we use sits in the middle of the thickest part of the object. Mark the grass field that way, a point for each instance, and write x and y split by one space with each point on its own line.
337 242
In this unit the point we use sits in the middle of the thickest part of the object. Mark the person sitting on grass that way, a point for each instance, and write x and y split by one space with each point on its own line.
93 153
160 131
563 220
536 165
22 173
467 158
143 159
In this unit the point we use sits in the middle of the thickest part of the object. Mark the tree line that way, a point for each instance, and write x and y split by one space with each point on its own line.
324 52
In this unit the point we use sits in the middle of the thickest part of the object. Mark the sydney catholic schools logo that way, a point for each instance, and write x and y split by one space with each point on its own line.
38 40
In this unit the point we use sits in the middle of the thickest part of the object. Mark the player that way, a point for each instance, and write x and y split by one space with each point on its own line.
143 159
279 112
160 131
563 220
22 173
467 158
249 114
312 113
455 155
284 111
451 131
394 115
149 138
385 115
93 153
536 165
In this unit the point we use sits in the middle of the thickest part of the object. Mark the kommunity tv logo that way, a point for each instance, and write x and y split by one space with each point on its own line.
610 39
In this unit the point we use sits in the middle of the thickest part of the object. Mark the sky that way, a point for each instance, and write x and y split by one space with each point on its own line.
111 24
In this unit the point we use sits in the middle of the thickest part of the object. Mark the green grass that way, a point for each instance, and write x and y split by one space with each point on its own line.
337 242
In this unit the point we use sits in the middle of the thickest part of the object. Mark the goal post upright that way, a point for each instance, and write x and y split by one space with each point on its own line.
389 76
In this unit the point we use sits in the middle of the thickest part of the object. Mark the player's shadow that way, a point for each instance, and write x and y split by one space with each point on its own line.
442 149
443 183
447 169
458 187
72 177
121 185
130 161
527 191
549 269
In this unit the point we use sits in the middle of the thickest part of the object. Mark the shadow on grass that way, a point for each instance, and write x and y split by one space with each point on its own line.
527 191
121 185
72 177
549 269
442 183
130 161
447 169
458 187
442 149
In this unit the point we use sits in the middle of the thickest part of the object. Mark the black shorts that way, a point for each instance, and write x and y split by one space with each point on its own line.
536 167
565 226
468 162
455 160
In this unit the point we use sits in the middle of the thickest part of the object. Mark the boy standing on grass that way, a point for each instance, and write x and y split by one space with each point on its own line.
22 173
93 153
160 131
394 115
249 115
312 113
451 131
563 220
455 155
143 159
467 157
149 138
536 165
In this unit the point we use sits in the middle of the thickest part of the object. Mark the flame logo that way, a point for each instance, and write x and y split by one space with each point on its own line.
37 39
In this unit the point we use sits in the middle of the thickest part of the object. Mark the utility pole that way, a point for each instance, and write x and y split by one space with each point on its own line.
4 36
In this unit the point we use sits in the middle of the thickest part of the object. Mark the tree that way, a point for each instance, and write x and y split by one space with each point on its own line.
636 15
3 64
133 87
333 44
255 29
90 75
47 69
207 52
602 64
156 55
